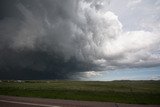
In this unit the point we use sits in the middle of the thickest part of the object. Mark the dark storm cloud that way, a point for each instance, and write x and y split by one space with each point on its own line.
55 39
35 40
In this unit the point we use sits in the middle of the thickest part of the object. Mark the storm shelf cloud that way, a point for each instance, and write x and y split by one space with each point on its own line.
58 39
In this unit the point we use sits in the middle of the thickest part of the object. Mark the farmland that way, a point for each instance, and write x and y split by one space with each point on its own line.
135 92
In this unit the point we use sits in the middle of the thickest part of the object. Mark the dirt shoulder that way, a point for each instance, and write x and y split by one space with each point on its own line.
25 101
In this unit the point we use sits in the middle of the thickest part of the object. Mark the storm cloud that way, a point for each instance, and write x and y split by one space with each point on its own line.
56 39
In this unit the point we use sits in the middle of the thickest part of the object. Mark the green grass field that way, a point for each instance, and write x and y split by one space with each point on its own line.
139 92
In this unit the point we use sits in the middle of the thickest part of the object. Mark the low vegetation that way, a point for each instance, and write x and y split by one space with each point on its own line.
139 92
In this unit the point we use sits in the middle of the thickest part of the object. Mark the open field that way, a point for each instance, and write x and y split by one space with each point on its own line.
138 92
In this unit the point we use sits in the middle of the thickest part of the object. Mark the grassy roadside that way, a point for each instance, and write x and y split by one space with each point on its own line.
139 92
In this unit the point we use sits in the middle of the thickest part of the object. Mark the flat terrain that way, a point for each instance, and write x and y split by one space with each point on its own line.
134 92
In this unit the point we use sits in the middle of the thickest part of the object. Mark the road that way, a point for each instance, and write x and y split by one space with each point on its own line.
10 101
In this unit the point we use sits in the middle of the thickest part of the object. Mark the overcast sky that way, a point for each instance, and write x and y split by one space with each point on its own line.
83 39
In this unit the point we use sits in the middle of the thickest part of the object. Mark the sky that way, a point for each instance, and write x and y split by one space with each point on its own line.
123 74
82 40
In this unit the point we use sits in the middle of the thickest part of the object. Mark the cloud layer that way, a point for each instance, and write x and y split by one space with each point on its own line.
58 39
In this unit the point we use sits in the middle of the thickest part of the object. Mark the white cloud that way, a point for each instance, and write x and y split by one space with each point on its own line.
111 47
91 73
88 75
133 2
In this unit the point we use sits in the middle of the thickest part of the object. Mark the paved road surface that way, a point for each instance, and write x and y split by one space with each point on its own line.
9 101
